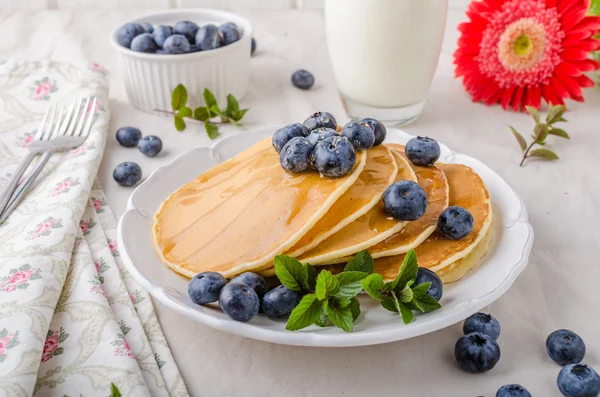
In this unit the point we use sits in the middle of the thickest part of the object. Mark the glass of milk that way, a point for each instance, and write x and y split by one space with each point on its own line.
384 54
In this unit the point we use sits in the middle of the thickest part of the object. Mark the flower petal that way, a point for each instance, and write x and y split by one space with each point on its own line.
517 100
568 69
534 97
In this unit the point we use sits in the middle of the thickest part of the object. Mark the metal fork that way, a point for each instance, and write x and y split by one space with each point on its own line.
62 132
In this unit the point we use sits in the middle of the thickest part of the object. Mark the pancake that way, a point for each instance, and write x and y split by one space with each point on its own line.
460 268
379 172
433 181
241 213
375 226
467 190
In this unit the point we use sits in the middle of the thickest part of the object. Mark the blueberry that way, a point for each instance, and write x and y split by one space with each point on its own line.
436 288
205 287
229 33
144 43
378 128
279 301
360 134
303 79
253 47
317 135
565 347
127 174
160 34
176 44
320 119
482 323
147 27
129 136
422 151
578 380
334 156
405 201
150 145
127 33
208 38
284 134
254 281
512 391
187 29
239 301
476 352
295 155
455 223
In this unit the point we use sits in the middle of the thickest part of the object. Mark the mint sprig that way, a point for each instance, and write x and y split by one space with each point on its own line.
211 115
540 132
331 299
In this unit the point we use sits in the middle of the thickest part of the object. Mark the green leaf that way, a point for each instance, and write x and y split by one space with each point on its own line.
179 123
350 283
322 320
407 272
185 112
179 97
233 107
211 129
421 289
388 303
114 391
209 99
520 139
543 133
559 132
241 114
534 113
406 295
555 114
406 313
544 154
373 283
215 110
426 303
327 285
354 308
362 262
290 272
201 113
311 276
387 287
340 317
305 314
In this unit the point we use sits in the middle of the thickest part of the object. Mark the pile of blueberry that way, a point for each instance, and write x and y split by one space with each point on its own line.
243 296
129 173
184 37
478 351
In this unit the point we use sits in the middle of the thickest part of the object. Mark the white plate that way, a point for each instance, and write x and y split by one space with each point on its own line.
506 259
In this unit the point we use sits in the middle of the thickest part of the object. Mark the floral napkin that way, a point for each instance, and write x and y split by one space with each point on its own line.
72 320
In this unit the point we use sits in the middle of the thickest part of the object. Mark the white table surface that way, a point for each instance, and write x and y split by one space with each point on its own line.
559 288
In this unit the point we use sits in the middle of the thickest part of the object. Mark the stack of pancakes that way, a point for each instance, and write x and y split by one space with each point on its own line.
239 215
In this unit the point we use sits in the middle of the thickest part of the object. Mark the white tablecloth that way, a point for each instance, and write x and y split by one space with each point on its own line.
559 288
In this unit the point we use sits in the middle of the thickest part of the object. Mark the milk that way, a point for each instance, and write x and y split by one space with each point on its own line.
384 52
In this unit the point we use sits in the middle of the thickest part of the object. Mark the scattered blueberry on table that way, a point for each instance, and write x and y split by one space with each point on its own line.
295 155
128 136
284 134
455 223
436 288
378 129
565 347
303 79
513 390
127 173
422 151
333 157
279 301
320 119
205 287
405 201
477 352
239 301
483 323
254 281
318 134
578 380
150 145
360 134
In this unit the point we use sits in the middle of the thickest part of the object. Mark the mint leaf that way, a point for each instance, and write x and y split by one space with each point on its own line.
520 139
179 97
354 308
305 314
534 113
362 262
406 313
114 391
241 114
290 272
209 99
185 112
211 129
388 303
406 295
311 276
559 132
322 320
233 107
421 289
407 272
387 287
426 303
201 113
214 110
339 316
555 114
350 283
179 123
545 154
327 285
372 284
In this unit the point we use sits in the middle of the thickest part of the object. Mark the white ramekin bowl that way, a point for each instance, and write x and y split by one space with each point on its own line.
150 78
